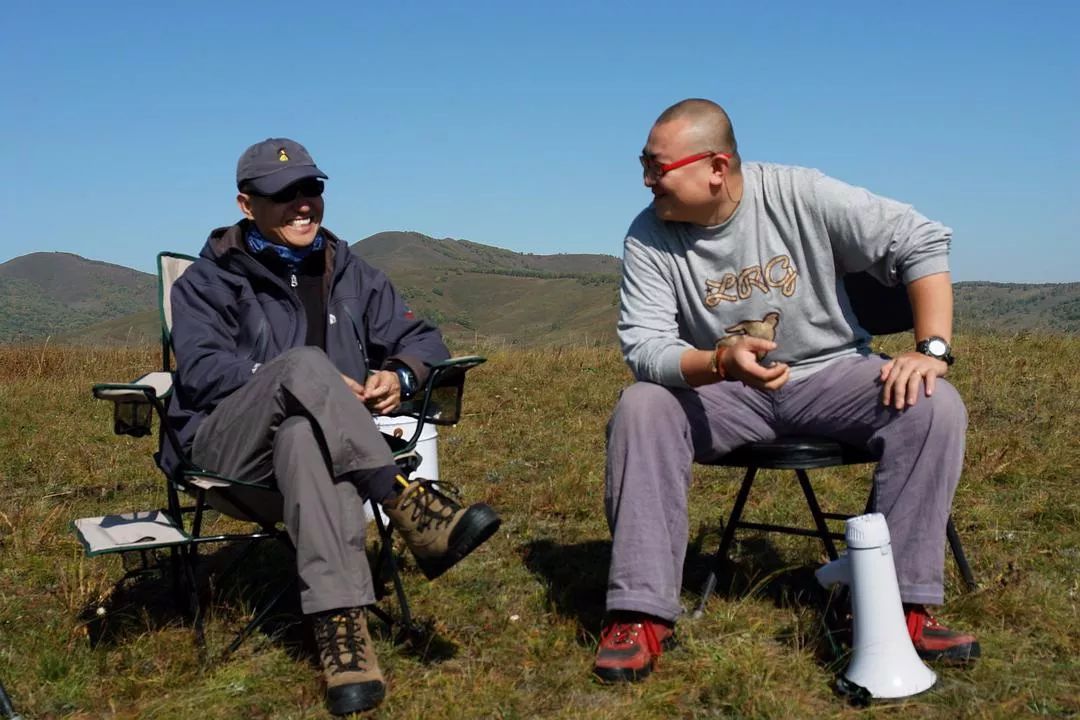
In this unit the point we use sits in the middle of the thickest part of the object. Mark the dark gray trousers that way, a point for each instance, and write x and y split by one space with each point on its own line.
297 428
656 433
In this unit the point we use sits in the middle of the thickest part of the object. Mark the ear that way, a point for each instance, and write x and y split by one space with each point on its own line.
719 170
243 201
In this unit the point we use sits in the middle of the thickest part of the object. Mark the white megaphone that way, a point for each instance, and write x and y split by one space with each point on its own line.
883 660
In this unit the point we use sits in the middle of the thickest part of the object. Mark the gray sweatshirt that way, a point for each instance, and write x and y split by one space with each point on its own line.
773 270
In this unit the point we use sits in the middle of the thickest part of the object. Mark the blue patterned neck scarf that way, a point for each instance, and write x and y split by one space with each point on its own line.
290 257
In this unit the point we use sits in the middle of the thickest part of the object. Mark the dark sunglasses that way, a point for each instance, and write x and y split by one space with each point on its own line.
307 188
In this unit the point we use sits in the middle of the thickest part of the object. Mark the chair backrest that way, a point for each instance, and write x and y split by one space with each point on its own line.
880 309
170 267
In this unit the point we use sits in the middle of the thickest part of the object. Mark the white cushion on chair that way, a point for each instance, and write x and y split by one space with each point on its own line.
129 531
160 381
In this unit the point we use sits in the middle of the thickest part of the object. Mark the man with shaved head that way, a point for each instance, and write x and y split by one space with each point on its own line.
737 328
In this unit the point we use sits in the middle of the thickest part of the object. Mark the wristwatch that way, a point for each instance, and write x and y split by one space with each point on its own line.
936 347
407 379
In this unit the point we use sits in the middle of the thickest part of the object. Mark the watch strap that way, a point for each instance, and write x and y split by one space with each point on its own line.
923 346
406 379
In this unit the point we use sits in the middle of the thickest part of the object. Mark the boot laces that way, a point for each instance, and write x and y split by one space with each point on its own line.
432 505
341 639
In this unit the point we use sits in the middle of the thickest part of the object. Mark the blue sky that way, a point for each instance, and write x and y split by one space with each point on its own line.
519 125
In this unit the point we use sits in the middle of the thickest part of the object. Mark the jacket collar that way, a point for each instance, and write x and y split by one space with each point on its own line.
226 246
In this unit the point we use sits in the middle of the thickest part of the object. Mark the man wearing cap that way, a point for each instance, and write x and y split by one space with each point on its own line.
736 325
286 345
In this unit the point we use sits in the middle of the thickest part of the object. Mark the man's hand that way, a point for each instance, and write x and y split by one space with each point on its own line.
354 387
740 362
381 392
903 375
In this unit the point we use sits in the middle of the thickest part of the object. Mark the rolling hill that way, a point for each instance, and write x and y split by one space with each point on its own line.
1009 307
473 292
476 291
49 294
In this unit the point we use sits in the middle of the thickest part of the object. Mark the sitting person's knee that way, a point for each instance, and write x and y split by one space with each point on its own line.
948 405
644 398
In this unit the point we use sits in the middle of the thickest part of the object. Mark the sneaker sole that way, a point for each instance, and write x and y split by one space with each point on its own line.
355 697
618 676
957 655
478 524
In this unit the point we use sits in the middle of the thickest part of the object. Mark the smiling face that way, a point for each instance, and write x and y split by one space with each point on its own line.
294 223
690 193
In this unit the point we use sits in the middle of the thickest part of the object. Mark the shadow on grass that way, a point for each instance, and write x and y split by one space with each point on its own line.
576 579
759 570
235 583
575 575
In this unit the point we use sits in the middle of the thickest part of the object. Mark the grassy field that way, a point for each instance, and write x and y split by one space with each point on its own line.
512 630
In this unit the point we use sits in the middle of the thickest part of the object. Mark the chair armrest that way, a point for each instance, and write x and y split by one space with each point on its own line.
154 384
463 363
439 401
134 403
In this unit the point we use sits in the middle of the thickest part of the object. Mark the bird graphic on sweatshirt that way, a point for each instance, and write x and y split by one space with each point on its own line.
765 329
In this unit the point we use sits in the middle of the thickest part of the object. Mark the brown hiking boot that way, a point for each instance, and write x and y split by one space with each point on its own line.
354 682
935 642
435 527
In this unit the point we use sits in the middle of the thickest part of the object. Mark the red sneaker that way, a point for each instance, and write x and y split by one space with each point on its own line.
630 645
934 641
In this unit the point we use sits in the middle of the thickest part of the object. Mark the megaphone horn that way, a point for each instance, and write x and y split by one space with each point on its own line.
883 660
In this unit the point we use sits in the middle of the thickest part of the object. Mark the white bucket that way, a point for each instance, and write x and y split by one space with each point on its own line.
426 446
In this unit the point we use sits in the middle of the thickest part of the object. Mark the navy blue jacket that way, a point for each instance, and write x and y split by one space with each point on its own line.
231 314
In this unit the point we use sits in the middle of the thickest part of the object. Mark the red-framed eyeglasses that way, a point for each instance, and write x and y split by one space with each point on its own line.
654 170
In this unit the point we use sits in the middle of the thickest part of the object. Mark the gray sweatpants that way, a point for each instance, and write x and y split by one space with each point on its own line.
656 433
297 428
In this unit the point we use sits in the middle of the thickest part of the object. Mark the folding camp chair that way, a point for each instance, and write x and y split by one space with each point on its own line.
880 310
168 538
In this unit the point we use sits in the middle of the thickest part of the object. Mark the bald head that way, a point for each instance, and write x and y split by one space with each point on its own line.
710 124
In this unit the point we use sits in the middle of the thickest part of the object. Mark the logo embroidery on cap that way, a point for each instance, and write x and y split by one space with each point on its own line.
282 157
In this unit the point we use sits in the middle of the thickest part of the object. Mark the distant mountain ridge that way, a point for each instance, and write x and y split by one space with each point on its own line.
1018 306
414 251
52 293
472 291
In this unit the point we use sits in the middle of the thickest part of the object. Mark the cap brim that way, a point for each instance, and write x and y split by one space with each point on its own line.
276 182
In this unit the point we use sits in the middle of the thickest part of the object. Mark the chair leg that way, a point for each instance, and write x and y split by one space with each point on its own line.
819 519
188 558
259 617
726 539
958 555
386 558
6 708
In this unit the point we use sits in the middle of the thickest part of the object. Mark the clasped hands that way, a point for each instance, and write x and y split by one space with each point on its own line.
380 392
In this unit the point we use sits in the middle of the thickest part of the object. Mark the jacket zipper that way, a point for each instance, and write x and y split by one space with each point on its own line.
363 348
261 341
259 269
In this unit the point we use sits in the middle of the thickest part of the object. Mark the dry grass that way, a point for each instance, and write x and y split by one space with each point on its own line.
513 628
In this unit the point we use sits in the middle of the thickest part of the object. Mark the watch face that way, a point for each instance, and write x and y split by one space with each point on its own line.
937 347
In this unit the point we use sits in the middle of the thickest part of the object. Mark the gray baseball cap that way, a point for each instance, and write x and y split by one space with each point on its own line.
274 164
